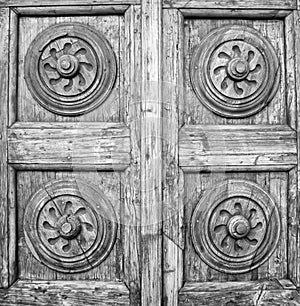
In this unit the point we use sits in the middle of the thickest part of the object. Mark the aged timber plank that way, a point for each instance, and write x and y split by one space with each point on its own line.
4 234
283 284
294 208
151 154
71 10
173 233
275 293
77 293
214 4
131 61
64 2
46 145
237 147
235 13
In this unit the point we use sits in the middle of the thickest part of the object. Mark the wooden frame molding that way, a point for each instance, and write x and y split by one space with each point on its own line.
215 4
57 3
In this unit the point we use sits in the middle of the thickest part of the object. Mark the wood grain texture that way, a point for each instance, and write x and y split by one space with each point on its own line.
38 3
131 187
71 10
65 293
281 284
235 13
214 4
237 147
4 210
13 67
151 153
294 210
241 298
173 241
105 146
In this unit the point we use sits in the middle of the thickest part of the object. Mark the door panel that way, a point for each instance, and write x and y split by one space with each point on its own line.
183 174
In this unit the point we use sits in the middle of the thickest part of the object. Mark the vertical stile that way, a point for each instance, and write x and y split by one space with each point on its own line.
173 242
131 226
151 153
4 232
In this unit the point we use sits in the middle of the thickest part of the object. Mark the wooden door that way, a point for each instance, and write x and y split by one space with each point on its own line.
149 152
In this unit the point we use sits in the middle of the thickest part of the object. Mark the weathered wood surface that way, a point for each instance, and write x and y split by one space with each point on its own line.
4 207
64 145
28 109
196 29
276 292
151 153
131 63
275 184
241 298
214 4
77 293
234 13
70 10
293 24
28 182
237 147
173 233
38 3
281 284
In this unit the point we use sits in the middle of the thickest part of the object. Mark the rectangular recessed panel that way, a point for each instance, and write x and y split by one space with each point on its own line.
237 147
67 145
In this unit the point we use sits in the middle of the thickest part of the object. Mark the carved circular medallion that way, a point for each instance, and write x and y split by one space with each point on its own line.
70 69
235 227
235 71
69 226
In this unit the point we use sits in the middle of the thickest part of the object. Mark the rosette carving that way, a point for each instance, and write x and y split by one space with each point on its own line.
69 226
235 227
70 69
235 71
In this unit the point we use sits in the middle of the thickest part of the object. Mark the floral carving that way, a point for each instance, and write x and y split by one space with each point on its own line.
70 69
235 227
69 65
237 69
74 220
